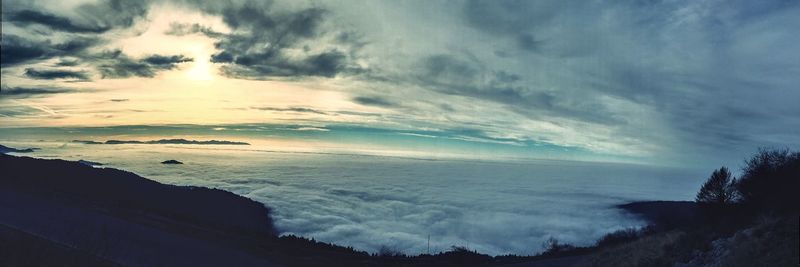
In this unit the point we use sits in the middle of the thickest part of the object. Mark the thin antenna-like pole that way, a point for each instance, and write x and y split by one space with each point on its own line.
429 244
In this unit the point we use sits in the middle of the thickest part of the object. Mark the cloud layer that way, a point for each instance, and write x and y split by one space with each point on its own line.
371 202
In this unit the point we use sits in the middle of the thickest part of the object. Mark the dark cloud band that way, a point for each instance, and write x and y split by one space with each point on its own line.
375 101
27 17
115 64
56 74
24 92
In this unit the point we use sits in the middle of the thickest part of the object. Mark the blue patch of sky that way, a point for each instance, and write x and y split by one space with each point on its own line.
467 142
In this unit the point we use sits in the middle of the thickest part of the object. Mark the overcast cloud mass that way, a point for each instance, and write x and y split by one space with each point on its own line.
667 82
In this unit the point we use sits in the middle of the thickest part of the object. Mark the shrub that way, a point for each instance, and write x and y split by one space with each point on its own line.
620 236
552 246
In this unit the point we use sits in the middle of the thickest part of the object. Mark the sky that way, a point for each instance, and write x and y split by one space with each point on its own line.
660 82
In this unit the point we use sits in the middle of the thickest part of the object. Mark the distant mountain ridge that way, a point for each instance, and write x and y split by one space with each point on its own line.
177 141
5 149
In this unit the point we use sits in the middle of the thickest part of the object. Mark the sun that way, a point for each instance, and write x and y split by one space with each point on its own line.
201 70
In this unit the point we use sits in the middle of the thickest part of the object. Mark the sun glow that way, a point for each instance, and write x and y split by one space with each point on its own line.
194 45
201 69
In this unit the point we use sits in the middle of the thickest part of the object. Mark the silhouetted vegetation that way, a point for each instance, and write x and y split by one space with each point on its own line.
552 246
717 194
751 221
623 236
770 182
719 189
768 187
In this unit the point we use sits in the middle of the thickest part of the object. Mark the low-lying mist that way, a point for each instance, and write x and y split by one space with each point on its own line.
372 202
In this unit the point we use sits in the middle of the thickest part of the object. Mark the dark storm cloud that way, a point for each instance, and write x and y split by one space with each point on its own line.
24 92
81 31
76 45
375 101
268 42
67 63
114 13
56 74
17 50
165 62
89 18
182 29
271 64
115 64
27 17
121 66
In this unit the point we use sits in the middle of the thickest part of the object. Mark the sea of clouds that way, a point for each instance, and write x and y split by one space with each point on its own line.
374 202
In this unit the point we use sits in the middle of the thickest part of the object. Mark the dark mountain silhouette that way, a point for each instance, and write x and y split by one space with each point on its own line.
120 217
128 192
172 161
5 149
179 141
90 163
87 142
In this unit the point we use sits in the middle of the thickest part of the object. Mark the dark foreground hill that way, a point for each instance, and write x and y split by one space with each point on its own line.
67 213
668 214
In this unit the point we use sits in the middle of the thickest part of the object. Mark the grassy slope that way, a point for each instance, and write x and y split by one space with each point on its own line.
767 241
